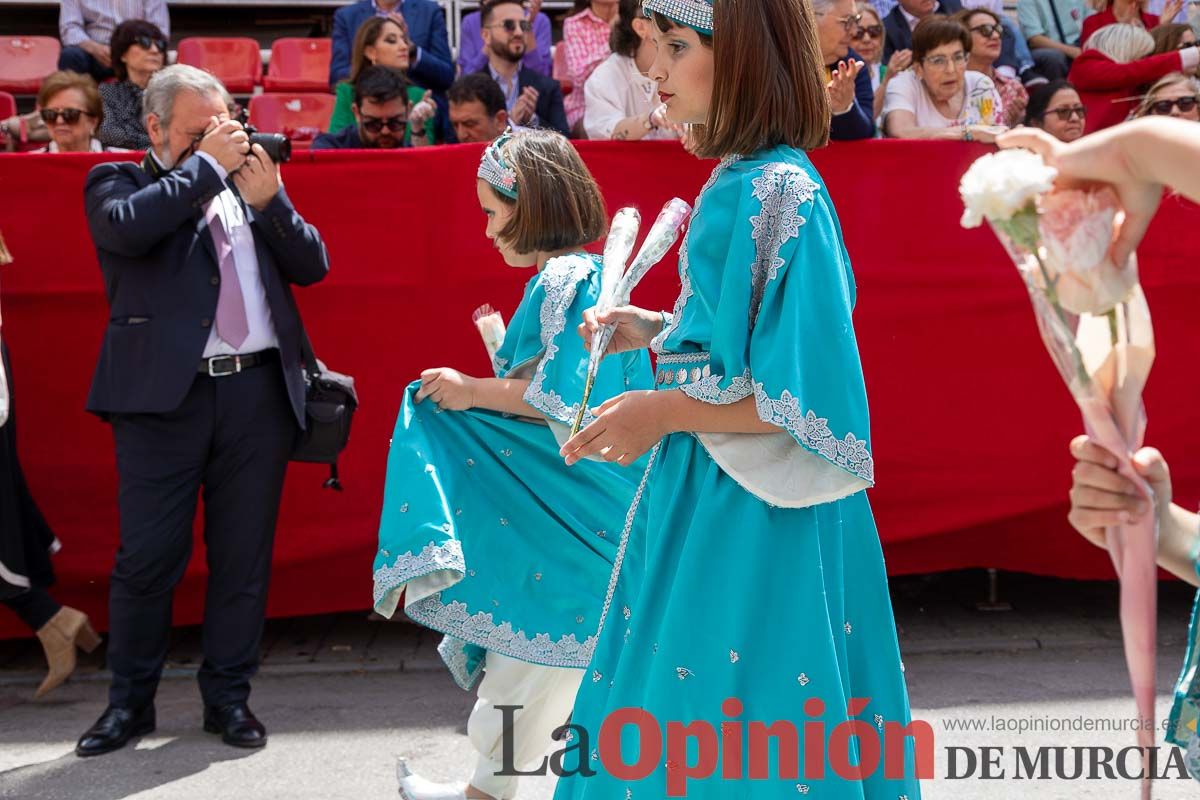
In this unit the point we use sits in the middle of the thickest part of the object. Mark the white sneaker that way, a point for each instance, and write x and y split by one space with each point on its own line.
414 787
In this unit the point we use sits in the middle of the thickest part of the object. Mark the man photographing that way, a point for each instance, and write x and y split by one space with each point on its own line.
200 376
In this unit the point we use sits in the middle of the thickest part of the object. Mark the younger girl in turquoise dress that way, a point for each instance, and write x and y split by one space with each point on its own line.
485 533
751 602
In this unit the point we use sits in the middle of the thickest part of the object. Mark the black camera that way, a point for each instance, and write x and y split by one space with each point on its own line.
277 146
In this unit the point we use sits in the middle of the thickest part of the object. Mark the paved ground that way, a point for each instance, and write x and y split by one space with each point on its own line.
344 694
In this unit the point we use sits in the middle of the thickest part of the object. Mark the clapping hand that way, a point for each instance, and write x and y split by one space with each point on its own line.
841 86
421 113
526 106
900 61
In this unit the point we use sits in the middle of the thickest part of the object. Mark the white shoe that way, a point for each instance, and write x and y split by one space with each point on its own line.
414 787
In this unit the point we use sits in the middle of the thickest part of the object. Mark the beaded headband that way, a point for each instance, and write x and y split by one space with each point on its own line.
496 171
696 14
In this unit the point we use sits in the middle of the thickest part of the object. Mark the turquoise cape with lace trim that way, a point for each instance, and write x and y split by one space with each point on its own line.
1185 710
485 532
750 566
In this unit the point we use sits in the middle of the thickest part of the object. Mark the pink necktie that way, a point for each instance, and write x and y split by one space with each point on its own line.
232 325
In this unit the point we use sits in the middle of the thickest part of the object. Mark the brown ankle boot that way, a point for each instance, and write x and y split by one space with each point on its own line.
65 631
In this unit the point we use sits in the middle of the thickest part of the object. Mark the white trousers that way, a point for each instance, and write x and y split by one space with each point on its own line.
546 696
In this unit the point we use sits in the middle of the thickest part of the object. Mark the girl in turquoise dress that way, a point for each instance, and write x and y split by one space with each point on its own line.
752 592
485 534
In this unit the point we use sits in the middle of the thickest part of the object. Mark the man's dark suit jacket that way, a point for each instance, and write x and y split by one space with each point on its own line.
162 279
898 36
550 110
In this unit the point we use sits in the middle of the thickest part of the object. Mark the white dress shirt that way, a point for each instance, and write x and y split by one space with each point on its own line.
258 312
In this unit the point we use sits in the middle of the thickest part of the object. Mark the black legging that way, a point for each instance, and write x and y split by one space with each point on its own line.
35 607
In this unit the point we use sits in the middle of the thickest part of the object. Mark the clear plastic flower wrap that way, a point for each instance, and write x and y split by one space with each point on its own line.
490 325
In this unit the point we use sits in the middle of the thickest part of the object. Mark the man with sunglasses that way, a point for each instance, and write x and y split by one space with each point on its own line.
532 99
471 54
85 28
200 376
380 112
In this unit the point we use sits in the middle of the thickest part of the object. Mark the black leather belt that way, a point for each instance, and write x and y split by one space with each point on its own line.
220 366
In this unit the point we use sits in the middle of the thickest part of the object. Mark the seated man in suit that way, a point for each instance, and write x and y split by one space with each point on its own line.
381 111
532 99
472 58
430 64
200 376
477 109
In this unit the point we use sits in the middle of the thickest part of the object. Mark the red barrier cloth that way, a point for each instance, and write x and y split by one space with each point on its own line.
970 423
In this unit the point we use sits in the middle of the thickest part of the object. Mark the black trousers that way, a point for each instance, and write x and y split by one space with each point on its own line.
76 59
230 438
34 606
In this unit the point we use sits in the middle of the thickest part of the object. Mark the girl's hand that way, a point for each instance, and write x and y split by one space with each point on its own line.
1102 497
625 427
635 327
447 388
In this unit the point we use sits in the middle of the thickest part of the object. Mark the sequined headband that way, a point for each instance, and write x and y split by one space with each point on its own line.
696 14
496 171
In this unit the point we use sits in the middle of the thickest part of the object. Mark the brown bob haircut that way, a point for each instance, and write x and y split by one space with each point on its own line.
367 35
769 86
558 203
60 81
937 30
1169 36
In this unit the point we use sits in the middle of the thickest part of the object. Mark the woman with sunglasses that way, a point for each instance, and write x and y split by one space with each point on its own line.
940 98
1175 95
1055 107
139 49
868 43
986 43
70 107
1116 62
383 41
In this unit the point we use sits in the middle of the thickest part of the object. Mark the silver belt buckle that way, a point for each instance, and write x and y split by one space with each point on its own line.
237 366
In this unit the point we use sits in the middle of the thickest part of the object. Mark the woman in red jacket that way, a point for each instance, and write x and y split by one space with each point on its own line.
1114 66
1127 12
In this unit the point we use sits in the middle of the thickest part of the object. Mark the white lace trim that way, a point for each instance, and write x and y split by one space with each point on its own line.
560 280
685 278
455 619
451 651
708 389
782 189
850 453
433 557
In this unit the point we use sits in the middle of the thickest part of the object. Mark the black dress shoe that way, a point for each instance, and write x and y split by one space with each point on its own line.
237 725
115 727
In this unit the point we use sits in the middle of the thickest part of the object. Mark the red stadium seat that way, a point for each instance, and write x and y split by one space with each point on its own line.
25 61
236 62
298 65
559 69
8 105
300 117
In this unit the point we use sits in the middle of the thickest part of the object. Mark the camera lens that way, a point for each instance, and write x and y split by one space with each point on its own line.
277 146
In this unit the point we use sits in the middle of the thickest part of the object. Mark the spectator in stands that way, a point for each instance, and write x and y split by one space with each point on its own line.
940 98
532 99
380 113
477 110
1172 36
1127 12
1116 63
382 41
86 28
585 41
984 25
430 64
868 43
622 101
850 94
139 49
901 21
472 57
1173 95
1052 28
1055 107
69 106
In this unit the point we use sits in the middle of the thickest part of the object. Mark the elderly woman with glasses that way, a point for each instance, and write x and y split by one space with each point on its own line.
986 43
1055 107
1117 61
849 86
1175 95
69 106
940 98
139 49
868 43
